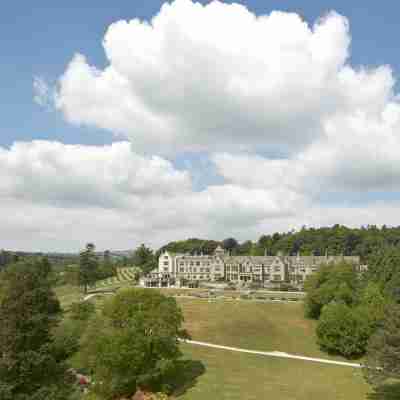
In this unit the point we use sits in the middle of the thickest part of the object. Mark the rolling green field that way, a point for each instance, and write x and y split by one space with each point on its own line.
238 376
252 325
265 327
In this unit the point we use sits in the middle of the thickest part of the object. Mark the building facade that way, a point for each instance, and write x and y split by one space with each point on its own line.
176 269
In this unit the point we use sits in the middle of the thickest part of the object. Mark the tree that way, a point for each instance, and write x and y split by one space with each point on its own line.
31 365
332 282
230 245
88 267
344 330
138 346
383 352
384 269
142 255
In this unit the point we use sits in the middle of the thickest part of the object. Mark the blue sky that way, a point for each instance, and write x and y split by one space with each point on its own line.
40 41
211 122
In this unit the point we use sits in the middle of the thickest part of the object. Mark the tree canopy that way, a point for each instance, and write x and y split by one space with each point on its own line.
138 346
88 267
330 283
383 352
31 366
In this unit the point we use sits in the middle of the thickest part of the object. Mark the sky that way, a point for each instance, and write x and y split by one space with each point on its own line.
148 121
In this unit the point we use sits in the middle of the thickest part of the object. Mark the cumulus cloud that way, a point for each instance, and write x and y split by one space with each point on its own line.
359 153
271 102
109 176
217 76
52 190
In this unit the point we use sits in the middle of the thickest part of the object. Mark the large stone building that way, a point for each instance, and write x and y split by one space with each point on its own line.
183 270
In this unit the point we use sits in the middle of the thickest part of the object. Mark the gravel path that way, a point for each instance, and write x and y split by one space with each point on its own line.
273 354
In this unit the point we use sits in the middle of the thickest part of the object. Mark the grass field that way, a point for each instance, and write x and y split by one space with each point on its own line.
252 325
69 294
236 376
124 275
265 326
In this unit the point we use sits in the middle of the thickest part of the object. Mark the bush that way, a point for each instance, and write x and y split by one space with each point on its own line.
331 283
344 330
138 345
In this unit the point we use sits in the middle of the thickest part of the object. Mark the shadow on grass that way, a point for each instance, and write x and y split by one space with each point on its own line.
187 374
387 391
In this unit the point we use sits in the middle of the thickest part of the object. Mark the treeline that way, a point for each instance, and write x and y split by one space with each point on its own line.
359 314
129 345
335 240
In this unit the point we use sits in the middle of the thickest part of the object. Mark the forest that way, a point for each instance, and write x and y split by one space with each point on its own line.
334 240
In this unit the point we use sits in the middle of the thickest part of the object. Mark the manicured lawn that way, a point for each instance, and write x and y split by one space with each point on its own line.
225 375
252 325
236 376
266 327
68 294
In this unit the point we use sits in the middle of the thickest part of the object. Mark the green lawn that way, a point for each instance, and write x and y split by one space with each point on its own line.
252 325
265 327
224 375
237 376
68 294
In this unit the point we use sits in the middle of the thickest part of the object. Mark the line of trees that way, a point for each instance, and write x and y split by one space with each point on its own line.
32 363
138 347
359 315
338 239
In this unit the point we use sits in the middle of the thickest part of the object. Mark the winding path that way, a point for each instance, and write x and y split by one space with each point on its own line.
273 354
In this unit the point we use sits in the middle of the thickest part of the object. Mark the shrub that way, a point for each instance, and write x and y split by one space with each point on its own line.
344 330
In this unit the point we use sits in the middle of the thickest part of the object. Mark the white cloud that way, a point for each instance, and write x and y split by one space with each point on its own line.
111 195
219 77
272 101
109 176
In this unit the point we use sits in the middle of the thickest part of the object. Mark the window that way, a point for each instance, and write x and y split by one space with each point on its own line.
181 269
277 269
166 263
277 277
197 262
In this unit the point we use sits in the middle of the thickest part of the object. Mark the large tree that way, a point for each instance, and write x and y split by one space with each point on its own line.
344 330
32 367
383 352
230 245
144 258
331 282
88 267
138 344
142 255
384 269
